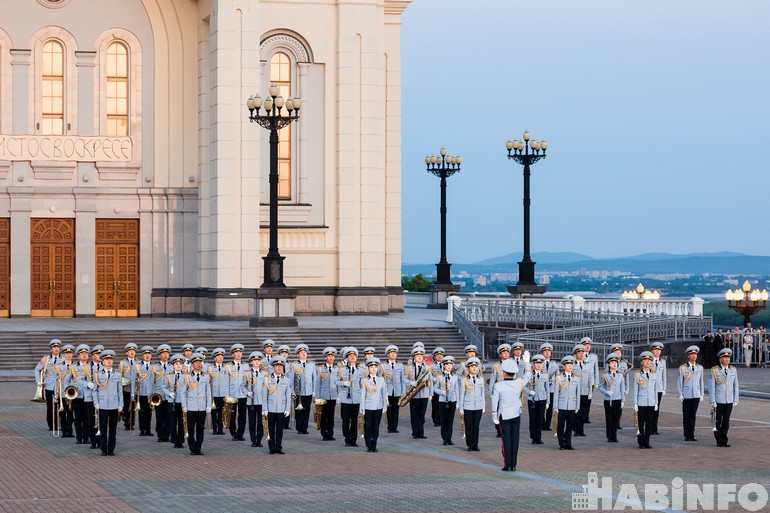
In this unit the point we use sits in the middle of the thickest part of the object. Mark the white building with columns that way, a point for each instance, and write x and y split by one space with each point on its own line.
132 182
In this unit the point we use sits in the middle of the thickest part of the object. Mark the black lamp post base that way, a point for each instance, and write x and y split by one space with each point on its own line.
439 292
273 272
443 274
275 308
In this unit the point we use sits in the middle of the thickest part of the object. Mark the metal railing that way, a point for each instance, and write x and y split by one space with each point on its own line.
523 315
627 332
468 329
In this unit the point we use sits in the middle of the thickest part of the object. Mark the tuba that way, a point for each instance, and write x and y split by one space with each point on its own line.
227 411
70 394
297 393
422 382
318 406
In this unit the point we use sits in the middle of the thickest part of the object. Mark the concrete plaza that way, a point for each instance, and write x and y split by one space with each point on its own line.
43 473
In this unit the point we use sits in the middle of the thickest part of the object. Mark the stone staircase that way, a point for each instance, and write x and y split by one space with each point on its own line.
22 351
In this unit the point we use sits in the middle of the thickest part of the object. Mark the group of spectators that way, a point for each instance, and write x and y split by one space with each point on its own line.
750 346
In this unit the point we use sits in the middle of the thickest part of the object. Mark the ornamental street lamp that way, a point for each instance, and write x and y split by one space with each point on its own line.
746 302
526 153
443 166
640 293
273 119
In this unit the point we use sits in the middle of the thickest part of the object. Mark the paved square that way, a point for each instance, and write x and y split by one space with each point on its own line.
46 474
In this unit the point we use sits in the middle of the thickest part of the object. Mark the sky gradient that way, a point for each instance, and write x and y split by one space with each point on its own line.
657 114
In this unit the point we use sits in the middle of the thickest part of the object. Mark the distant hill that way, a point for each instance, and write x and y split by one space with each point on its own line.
544 257
648 263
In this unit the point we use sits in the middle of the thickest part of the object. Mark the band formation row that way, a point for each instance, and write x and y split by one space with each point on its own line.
83 387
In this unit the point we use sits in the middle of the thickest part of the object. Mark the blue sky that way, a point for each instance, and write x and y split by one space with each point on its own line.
657 114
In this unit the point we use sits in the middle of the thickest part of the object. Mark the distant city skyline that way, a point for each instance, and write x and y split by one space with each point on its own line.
656 114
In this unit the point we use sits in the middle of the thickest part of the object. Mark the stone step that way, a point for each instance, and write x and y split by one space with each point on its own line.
23 352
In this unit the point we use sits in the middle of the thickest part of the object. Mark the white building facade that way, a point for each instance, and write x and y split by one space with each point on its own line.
132 183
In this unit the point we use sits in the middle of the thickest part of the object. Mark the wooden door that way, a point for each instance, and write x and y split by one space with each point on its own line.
53 268
117 267
5 267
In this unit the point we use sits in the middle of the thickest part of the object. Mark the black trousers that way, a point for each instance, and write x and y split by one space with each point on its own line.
161 421
582 415
548 415
722 422
644 418
472 423
612 411
238 419
216 415
349 416
50 417
392 413
145 415
510 439
689 411
90 433
256 432
536 418
196 421
417 408
66 419
327 419
175 424
275 431
302 417
81 422
128 405
655 415
620 414
372 420
447 416
565 420
435 413
108 425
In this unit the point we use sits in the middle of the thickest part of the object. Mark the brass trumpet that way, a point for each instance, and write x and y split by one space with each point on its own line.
227 410
98 429
70 394
155 400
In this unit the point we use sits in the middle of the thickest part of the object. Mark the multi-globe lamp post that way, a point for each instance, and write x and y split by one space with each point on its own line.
526 153
274 301
443 166
746 302
273 119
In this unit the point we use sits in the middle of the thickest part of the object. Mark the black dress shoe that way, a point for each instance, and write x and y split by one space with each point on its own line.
369 450
354 444
587 422
656 433
450 442
240 439
217 433
178 446
505 469
254 444
104 454
110 453
272 452
569 448
280 452
199 453
192 453
648 447
259 444
693 439
470 449
93 446
374 450
513 469
725 445
620 427
545 429
445 442
562 448
476 448
421 436
537 442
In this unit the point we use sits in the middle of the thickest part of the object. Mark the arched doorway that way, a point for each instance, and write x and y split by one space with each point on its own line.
53 268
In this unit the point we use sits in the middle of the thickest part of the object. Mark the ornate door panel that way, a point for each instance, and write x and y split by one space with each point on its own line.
53 268
117 267
5 267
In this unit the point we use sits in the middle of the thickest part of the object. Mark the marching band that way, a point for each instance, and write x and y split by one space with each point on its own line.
91 394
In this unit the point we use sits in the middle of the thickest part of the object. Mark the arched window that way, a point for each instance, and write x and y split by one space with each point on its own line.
280 75
53 88
117 89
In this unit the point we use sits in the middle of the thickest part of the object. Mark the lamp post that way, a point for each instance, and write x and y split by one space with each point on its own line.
526 153
273 119
746 302
443 166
